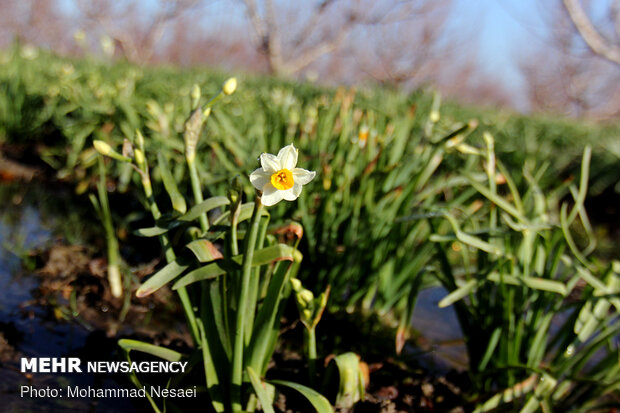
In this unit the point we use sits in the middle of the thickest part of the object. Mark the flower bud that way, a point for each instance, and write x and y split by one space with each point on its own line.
152 107
102 147
195 95
230 86
234 194
139 155
193 125
306 295
296 284
106 150
139 139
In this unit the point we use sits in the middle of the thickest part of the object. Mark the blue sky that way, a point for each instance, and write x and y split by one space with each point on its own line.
501 31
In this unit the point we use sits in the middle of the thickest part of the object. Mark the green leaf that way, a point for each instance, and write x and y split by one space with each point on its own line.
532 282
546 285
600 288
205 206
162 277
157 351
351 388
280 252
470 239
215 314
410 301
204 250
508 395
178 202
129 345
95 202
245 213
211 376
320 403
151 231
459 293
539 344
490 349
583 183
265 401
496 199
588 321
266 321
532 405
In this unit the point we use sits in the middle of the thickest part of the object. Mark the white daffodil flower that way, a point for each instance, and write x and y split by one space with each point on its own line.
278 178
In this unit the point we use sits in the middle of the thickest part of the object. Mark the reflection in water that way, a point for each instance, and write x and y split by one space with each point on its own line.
440 331
25 330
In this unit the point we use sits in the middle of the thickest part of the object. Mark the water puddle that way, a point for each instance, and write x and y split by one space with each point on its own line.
26 329
441 336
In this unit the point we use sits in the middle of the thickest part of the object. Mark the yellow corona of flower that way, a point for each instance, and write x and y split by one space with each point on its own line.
362 136
278 178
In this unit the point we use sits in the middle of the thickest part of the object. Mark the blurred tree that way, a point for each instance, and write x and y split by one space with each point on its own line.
308 37
607 47
135 31
33 21
566 74
293 38
408 45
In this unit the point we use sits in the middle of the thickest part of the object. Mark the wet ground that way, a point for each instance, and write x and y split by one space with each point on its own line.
28 329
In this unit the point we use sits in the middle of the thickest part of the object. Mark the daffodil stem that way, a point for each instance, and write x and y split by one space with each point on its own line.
311 348
169 252
237 366
197 190
213 100
254 284
234 219
114 275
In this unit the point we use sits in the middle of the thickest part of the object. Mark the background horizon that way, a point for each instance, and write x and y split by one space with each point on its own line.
517 54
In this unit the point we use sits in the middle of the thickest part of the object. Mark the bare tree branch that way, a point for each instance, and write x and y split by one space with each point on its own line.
297 53
313 21
137 43
318 50
590 35
266 35
155 31
259 32
275 43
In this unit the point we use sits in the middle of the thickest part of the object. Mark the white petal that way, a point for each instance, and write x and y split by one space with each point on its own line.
297 189
271 195
288 157
270 163
292 193
302 176
260 178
